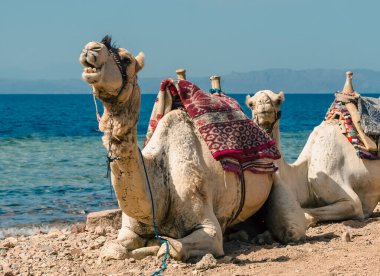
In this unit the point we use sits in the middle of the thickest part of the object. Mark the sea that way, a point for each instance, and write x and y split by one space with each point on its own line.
53 163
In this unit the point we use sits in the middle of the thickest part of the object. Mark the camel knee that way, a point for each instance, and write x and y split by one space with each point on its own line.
217 240
354 209
130 239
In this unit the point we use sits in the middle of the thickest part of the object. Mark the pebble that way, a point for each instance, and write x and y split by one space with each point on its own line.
208 261
78 228
54 233
227 259
346 237
100 231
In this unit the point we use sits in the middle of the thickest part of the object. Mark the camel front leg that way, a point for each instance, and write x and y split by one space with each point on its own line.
206 238
283 214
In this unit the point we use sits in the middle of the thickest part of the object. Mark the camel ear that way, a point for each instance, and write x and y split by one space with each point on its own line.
140 61
281 96
248 101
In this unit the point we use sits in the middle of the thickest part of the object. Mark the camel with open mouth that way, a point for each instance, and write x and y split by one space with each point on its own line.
328 180
194 199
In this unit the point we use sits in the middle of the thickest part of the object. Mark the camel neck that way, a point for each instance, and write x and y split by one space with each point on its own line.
295 174
127 171
281 163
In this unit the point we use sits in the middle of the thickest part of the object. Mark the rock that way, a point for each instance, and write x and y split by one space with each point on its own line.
113 250
143 252
98 243
9 243
78 228
227 259
100 231
6 245
104 219
54 233
101 240
346 237
8 273
76 252
81 272
4 264
208 261
61 237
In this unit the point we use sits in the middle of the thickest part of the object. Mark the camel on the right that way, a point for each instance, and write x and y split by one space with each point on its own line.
328 180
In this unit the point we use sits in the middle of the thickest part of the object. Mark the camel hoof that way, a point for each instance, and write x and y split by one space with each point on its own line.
175 250
141 253
113 250
311 221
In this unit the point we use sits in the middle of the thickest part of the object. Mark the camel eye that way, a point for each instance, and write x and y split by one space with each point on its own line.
250 104
126 61
278 102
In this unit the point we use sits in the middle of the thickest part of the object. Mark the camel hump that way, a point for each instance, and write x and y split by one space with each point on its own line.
348 89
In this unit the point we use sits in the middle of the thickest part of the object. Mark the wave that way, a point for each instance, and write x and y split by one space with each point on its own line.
28 230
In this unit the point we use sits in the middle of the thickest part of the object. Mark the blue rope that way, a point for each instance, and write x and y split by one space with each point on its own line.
158 237
214 90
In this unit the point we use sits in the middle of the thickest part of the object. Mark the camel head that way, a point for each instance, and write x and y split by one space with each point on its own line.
109 69
265 106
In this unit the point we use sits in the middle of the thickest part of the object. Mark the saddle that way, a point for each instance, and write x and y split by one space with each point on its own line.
359 119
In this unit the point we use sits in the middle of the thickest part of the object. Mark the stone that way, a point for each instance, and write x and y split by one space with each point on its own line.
101 240
207 262
9 243
100 231
346 237
113 250
104 219
76 252
54 233
227 259
8 273
78 228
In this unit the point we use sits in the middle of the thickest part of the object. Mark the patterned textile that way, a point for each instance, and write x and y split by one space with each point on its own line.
369 109
229 134
340 112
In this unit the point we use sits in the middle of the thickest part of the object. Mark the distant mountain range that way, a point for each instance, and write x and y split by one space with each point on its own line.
287 80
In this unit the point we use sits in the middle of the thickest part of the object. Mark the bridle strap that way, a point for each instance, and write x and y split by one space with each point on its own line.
277 115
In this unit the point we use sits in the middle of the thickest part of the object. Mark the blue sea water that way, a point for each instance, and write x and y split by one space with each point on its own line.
52 162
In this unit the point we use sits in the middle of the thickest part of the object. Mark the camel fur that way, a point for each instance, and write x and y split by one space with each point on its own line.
327 180
194 199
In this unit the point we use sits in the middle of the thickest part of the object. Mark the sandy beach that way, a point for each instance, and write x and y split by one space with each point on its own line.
341 248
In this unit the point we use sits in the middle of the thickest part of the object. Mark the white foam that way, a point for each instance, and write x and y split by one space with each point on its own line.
29 230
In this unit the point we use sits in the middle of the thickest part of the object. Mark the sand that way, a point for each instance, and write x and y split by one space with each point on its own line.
339 248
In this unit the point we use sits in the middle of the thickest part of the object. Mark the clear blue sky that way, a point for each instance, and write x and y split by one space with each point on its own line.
42 39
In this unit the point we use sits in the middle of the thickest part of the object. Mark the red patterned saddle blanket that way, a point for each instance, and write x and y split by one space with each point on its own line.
231 136
338 111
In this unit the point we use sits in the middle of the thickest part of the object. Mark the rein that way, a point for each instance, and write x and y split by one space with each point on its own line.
277 116
110 158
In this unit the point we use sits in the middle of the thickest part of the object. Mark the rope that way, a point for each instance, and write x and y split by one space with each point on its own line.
158 237
96 108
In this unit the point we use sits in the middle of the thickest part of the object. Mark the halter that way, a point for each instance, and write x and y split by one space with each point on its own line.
121 65
277 115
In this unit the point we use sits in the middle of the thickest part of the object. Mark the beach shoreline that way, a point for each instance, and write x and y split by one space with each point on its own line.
340 248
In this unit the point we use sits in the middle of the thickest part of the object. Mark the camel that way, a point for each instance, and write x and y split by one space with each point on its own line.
327 180
194 199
